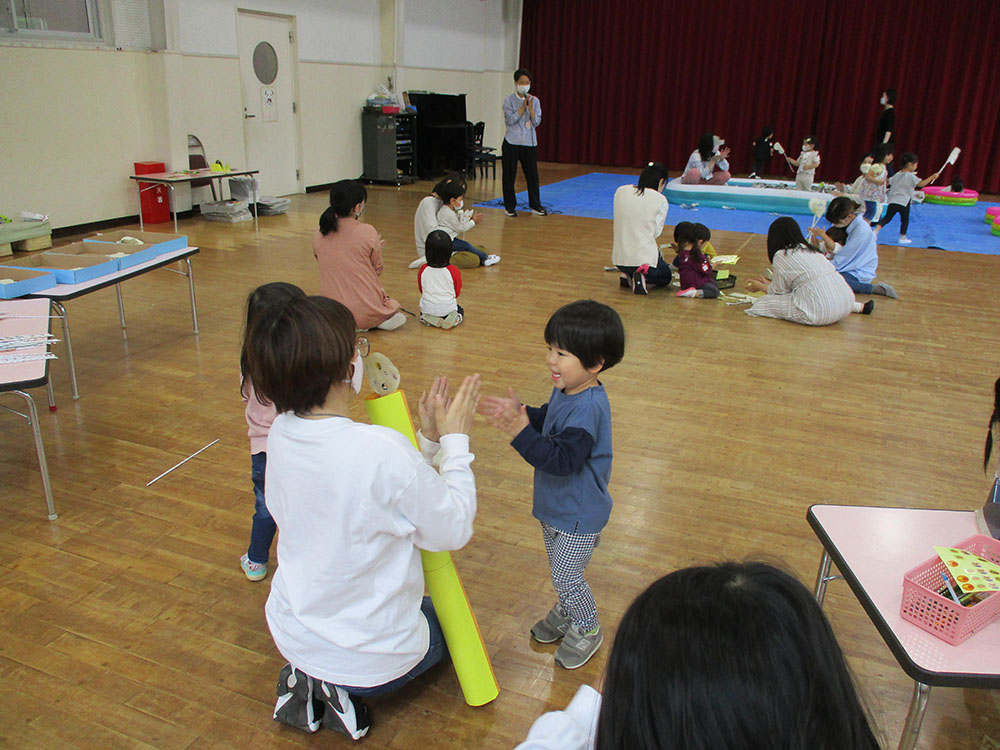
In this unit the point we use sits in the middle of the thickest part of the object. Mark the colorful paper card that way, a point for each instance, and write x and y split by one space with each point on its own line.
970 572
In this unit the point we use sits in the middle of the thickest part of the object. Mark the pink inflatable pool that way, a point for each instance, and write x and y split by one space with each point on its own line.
944 196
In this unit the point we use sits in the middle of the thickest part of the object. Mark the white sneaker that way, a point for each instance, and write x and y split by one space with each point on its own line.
417 263
491 260
905 240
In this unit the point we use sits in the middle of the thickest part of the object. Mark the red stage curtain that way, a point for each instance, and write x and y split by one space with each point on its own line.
629 81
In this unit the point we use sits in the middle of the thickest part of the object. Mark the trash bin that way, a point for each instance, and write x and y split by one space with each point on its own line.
154 201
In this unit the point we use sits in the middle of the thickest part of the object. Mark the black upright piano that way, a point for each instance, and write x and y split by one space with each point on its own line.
441 134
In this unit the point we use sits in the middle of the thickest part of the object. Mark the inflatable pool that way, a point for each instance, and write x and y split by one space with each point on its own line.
946 197
992 213
775 196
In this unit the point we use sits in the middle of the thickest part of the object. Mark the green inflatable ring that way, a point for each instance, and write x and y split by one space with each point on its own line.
946 201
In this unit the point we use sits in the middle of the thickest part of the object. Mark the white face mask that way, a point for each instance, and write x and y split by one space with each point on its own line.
883 101
523 90
459 206
717 142
358 376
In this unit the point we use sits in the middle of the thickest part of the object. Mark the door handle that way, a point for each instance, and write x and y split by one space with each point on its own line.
247 116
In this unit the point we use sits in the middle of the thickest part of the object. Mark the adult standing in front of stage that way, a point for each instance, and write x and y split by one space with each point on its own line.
522 114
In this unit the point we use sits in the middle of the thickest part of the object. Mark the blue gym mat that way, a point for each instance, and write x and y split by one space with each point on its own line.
956 228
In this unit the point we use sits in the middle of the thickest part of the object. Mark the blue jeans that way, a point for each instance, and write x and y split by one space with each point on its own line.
858 287
437 650
263 527
457 245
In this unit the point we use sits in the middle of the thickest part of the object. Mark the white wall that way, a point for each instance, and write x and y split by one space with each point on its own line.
73 121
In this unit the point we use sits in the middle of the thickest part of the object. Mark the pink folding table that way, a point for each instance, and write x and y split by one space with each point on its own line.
21 318
872 549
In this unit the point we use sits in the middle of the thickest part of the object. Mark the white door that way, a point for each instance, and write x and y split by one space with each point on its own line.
267 78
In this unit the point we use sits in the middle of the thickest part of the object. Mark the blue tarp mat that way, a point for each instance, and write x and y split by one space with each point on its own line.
957 228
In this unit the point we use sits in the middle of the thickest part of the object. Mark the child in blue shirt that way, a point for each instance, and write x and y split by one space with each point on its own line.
568 442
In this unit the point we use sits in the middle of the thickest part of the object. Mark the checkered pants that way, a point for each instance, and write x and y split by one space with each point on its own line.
568 557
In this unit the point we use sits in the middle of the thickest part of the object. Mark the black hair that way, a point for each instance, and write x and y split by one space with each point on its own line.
992 425
813 141
650 177
450 177
840 208
683 235
957 186
451 189
260 300
344 196
890 95
706 146
590 331
766 132
298 350
523 72
735 655
785 234
837 234
438 249
908 158
881 151
701 232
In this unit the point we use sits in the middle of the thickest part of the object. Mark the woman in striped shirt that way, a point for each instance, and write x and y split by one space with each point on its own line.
806 288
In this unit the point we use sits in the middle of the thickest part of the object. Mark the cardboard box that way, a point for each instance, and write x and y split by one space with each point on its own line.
17 282
154 244
68 269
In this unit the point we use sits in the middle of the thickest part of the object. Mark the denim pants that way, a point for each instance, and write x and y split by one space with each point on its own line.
437 650
262 527
858 287
457 245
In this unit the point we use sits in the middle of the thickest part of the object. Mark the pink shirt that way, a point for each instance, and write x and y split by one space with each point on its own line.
259 418
350 263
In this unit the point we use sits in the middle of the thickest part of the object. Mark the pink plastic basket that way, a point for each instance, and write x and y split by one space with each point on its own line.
942 616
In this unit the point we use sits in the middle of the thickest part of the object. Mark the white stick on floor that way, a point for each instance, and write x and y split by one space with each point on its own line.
183 462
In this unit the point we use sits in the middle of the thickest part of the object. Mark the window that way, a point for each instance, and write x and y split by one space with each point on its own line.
69 20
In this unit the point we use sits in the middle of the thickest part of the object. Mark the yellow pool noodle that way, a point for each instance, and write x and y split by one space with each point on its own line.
458 623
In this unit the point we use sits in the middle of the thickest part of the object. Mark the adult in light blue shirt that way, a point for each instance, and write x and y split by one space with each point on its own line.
522 114
857 258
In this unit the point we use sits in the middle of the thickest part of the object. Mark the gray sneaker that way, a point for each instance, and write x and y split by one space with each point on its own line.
553 627
577 648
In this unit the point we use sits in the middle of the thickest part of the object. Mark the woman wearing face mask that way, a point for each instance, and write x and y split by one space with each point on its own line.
885 131
350 260
522 113
354 503
711 155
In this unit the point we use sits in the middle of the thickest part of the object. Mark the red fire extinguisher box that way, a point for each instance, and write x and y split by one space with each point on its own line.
153 199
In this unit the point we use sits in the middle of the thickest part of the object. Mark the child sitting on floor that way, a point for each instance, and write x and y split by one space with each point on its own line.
704 237
425 219
439 283
453 219
694 269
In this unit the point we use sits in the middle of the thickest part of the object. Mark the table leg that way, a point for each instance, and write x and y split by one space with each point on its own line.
61 313
43 467
121 310
173 206
915 716
51 395
822 577
253 185
194 306
138 195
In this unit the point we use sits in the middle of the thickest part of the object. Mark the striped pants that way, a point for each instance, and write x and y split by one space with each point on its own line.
568 557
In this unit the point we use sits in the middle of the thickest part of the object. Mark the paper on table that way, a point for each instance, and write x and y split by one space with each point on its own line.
971 572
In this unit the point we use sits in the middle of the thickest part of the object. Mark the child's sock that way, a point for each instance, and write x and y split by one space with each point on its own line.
884 289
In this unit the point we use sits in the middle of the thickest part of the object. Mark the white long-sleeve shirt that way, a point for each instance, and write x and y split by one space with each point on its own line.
454 221
425 220
355 503
705 167
638 222
572 729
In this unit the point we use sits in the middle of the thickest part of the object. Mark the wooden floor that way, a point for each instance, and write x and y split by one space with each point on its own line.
128 623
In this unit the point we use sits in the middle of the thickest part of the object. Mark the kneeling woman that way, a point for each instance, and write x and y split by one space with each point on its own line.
704 161
806 287
640 211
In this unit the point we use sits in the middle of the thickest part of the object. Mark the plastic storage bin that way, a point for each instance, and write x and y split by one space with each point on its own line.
17 282
154 202
942 616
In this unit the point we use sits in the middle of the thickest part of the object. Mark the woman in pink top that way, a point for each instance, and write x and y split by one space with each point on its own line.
350 260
